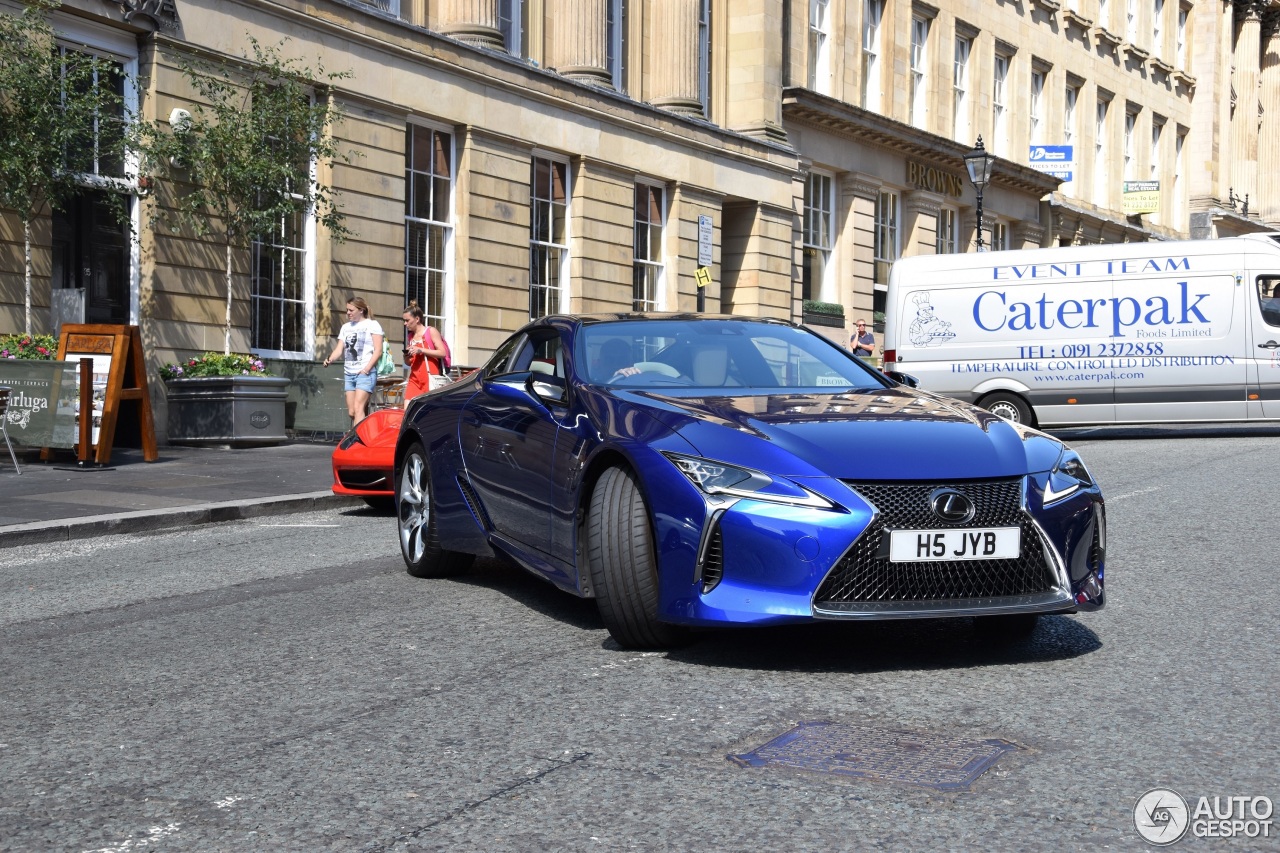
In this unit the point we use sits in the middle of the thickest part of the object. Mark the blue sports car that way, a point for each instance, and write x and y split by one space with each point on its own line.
693 470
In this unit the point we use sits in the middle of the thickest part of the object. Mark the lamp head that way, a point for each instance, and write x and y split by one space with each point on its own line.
979 164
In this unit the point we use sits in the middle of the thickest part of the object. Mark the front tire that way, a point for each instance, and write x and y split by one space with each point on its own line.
1010 407
417 523
623 568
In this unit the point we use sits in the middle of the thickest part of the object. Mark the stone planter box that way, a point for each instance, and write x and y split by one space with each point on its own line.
238 410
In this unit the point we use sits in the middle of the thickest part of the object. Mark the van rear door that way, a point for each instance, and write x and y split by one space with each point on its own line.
1264 346
1183 358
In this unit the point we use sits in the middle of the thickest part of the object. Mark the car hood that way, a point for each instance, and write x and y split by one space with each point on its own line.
881 434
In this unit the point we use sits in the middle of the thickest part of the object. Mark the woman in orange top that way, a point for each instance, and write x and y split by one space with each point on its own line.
425 352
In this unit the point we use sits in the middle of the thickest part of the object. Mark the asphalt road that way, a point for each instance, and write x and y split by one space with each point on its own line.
282 684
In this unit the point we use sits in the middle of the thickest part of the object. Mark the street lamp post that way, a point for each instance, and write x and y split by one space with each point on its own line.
979 163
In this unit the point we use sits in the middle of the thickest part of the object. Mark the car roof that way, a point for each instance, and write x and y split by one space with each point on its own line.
646 316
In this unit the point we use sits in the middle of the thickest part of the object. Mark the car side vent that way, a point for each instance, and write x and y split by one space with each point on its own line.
473 503
1096 555
713 561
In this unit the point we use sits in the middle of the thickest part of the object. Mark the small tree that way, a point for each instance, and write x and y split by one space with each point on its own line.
54 107
241 161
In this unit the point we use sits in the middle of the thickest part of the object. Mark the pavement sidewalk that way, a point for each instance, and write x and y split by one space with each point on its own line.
56 501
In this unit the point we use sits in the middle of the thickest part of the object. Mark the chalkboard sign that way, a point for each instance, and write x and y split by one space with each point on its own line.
119 378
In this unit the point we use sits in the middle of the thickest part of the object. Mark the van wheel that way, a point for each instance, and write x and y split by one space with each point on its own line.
1010 407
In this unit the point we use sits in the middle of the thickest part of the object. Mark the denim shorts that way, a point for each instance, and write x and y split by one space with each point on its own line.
359 382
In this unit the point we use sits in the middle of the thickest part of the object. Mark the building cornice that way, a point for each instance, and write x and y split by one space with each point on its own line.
807 107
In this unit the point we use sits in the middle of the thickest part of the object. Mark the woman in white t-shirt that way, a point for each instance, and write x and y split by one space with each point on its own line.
360 345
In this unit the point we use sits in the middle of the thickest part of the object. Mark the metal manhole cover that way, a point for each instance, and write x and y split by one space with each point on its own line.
941 763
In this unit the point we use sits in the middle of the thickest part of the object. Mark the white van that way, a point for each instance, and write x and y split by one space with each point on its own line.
1119 333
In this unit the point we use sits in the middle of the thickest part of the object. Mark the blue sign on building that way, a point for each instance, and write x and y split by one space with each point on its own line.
1055 160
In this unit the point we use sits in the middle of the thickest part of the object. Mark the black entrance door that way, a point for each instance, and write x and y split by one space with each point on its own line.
91 250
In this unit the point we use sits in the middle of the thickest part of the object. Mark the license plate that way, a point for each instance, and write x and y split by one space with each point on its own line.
987 543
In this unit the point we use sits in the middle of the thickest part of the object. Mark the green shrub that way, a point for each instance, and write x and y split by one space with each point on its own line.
813 306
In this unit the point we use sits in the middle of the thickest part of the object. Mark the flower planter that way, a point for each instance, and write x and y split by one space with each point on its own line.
237 410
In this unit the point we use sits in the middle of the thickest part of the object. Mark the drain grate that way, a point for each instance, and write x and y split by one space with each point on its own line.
941 763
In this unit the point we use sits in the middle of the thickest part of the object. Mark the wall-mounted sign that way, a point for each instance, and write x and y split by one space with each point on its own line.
931 178
705 235
1055 160
1141 197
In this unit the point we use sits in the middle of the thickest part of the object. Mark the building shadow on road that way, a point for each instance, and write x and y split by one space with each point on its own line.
915 644
919 644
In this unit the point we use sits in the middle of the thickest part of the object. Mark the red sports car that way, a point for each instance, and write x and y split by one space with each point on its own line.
363 459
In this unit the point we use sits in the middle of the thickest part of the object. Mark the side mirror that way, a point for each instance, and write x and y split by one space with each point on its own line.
547 388
903 378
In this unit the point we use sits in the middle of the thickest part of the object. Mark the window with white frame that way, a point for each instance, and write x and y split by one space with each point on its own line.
1000 236
1157 131
1000 105
617 18
820 46
1070 136
280 295
1035 114
1180 50
1157 27
704 56
646 264
1104 14
819 236
947 240
961 124
1131 21
1101 151
548 236
282 279
92 247
1130 157
872 11
392 6
512 24
920 71
1179 207
887 239
428 220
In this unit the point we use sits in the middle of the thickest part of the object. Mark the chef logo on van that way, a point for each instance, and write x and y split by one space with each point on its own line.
927 330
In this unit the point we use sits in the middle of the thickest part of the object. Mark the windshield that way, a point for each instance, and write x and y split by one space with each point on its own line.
742 355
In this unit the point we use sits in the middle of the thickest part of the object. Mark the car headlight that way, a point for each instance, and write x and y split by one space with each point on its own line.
724 480
1067 477
349 439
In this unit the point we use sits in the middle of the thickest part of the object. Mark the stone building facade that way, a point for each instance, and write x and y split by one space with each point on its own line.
519 157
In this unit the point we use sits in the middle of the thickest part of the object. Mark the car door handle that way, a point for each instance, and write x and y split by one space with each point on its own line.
1269 345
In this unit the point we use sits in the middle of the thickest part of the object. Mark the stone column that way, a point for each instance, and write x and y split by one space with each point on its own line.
578 40
920 211
674 57
859 192
1244 122
472 21
1269 142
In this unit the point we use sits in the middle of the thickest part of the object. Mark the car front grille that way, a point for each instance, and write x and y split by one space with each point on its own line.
865 574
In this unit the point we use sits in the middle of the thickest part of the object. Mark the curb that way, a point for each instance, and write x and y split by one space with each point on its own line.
63 530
